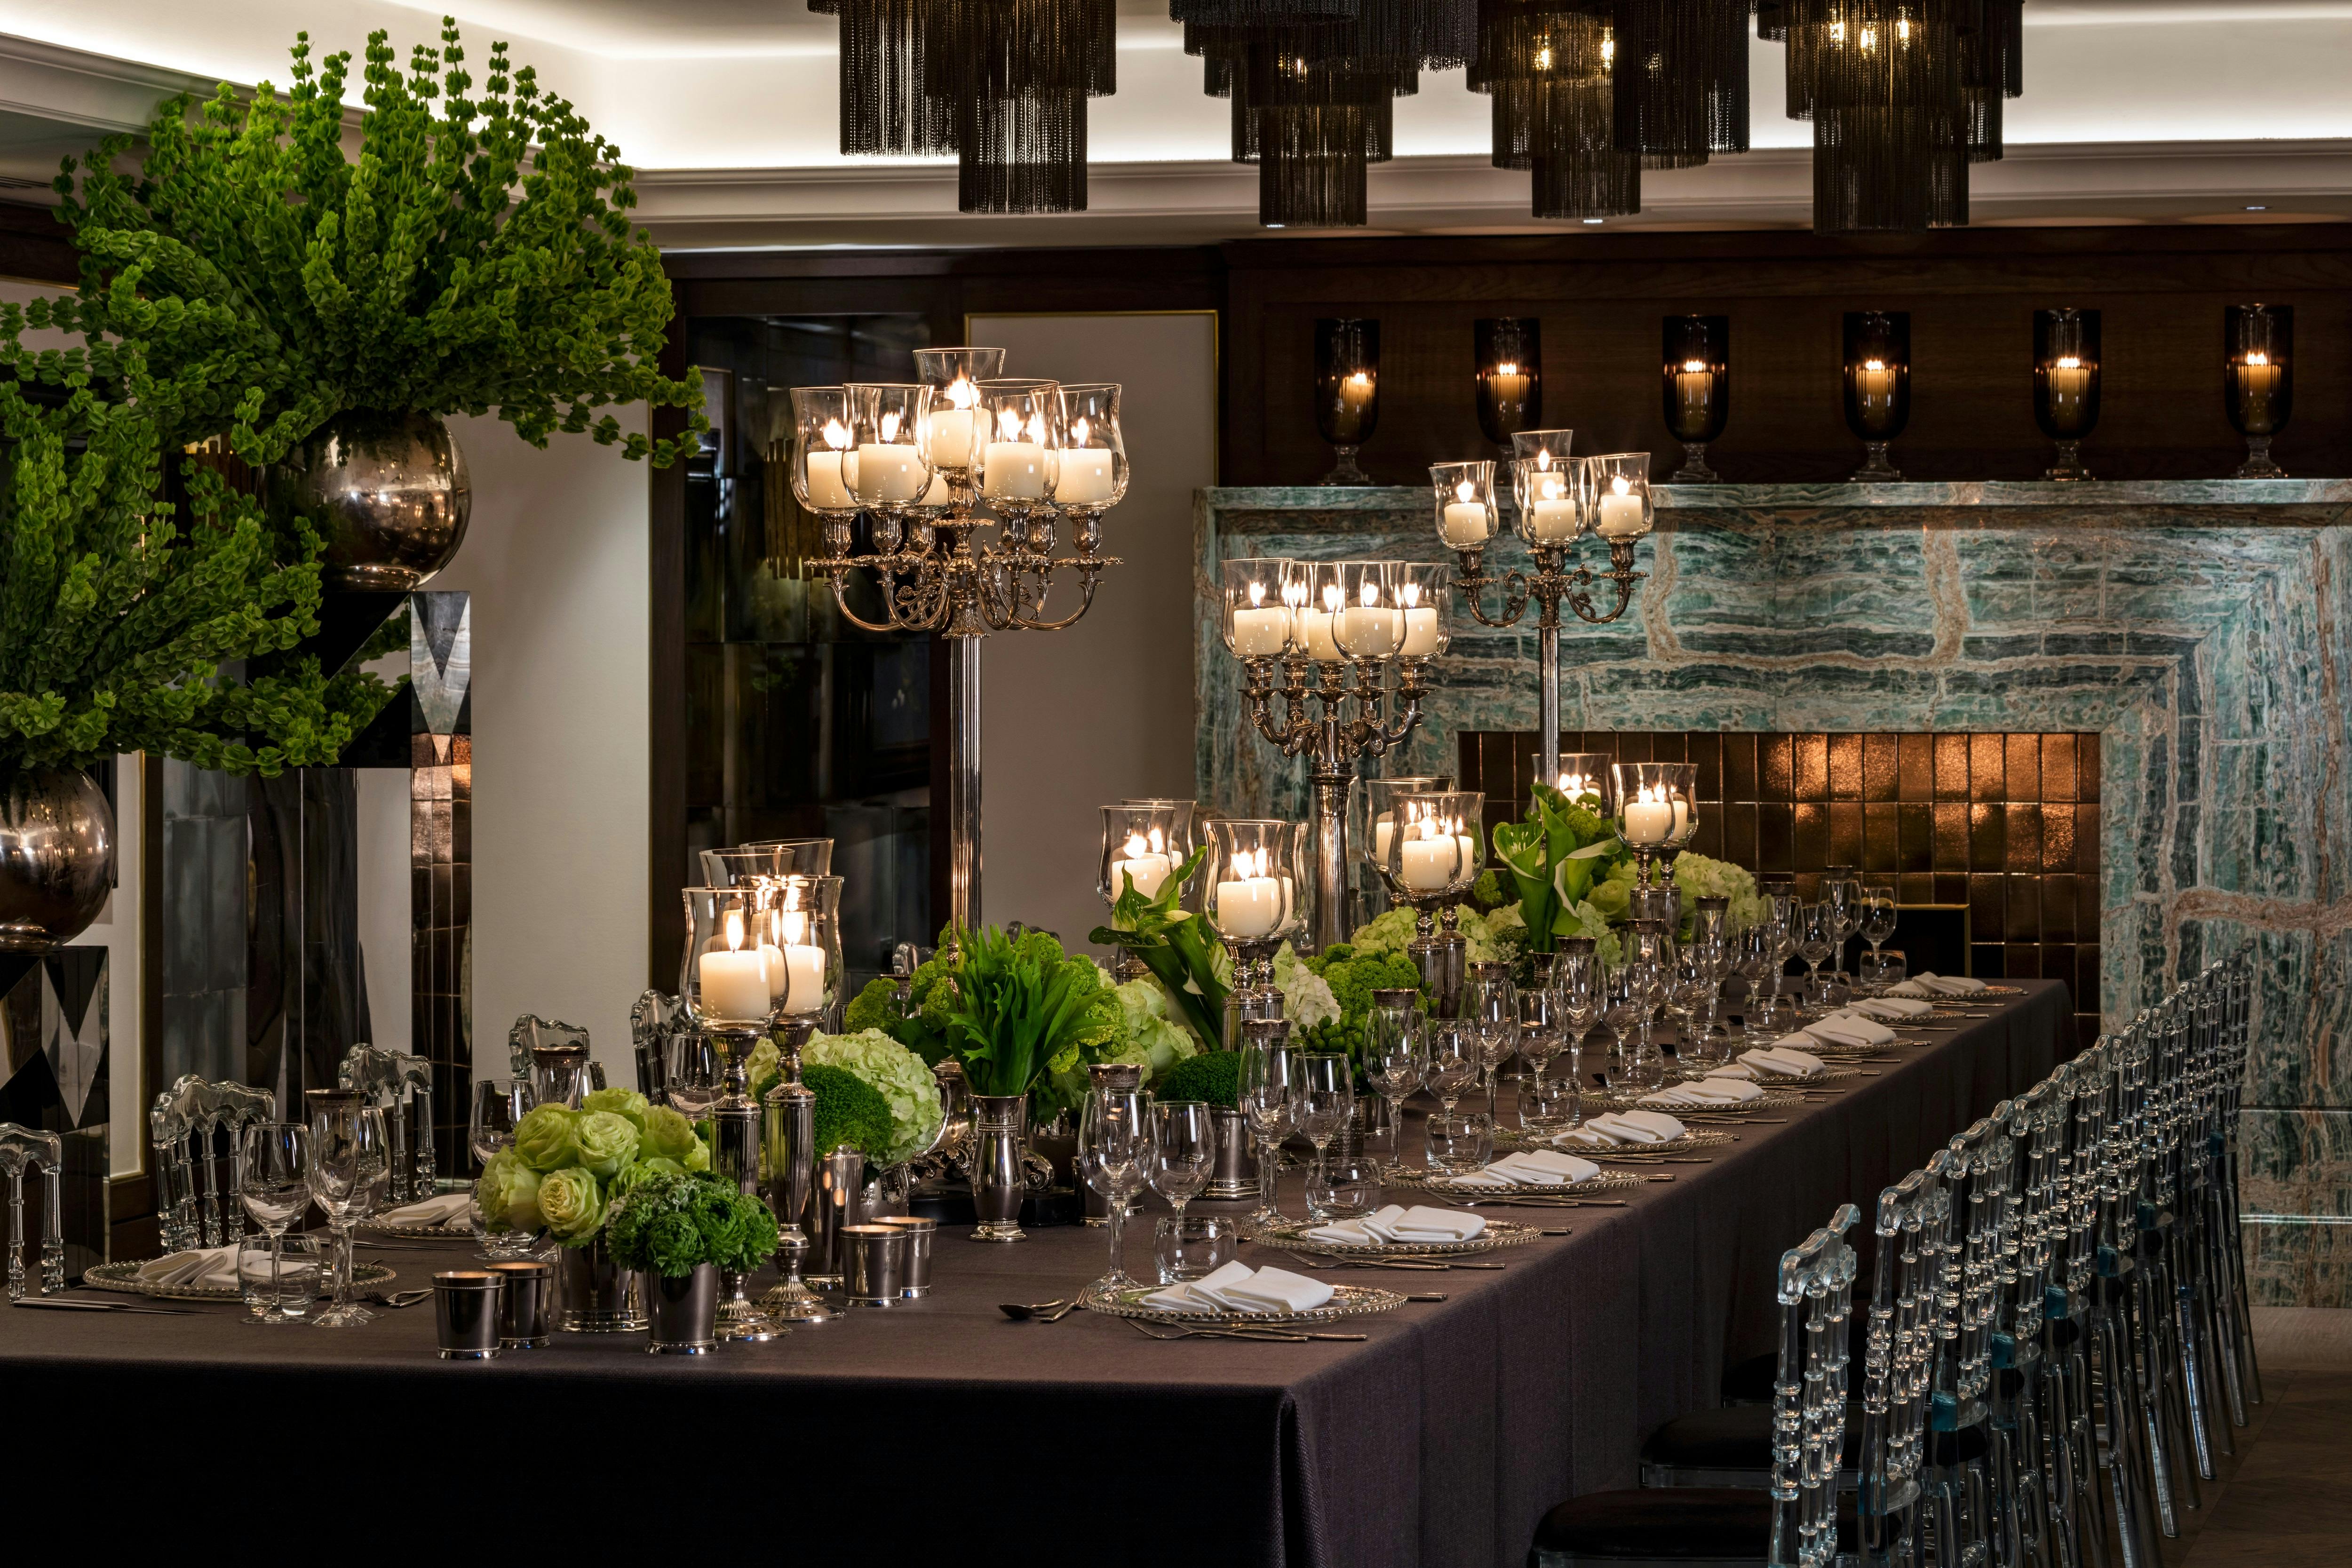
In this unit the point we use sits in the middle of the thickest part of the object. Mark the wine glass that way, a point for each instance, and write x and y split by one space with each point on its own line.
1576 1000
1650 962
1841 890
1322 1098
1114 1153
499 1104
1394 1060
1264 1099
1490 1002
1877 918
1816 939
1625 1015
1538 1041
1186 1139
1454 1059
350 1163
1693 1007
275 1187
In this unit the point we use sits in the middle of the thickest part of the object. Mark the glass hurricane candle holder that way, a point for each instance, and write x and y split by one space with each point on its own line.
2066 385
1463 496
1183 833
954 376
2258 379
1370 623
1373 825
1585 775
1656 808
1312 592
1258 621
1419 588
823 445
1548 486
887 465
1617 486
1435 852
1347 391
1877 387
1250 893
1016 463
732 981
1697 389
1508 353
1142 847
806 920
809 857
1093 469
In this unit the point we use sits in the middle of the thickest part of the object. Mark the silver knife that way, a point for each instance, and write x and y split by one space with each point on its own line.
107 1307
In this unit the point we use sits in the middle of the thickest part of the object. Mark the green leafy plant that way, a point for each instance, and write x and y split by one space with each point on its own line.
1212 1076
1353 976
1175 944
849 1111
248 280
671 1223
1021 1008
116 616
1554 858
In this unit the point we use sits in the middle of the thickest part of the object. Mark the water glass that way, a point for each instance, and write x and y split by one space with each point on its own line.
1263 1097
1881 971
1114 1154
274 1185
1454 1057
279 1274
1343 1187
499 1104
1395 1061
1323 1097
350 1163
1550 1103
1460 1143
1187 1149
1192 1247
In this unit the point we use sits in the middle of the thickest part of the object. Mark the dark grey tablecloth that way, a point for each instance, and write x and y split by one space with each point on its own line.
918 1434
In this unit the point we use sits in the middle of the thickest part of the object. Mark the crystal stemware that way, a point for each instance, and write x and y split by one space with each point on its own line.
1491 1003
499 1104
1262 1097
275 1187
1323 1097
1624 1012
1877 919
1186 1139
1816 939
1114 1153
350 1165
1453 1067
1538 1041
1576 1000
1395 1059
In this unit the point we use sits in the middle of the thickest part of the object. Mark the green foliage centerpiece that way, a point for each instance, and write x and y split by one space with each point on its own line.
1176 945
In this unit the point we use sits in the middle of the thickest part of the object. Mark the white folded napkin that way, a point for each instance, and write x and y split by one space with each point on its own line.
1397 1226
202 1269
1779 1061
1613 1128
1847 1029
1891 1007
1236 1288
1530 1168
1908 988
450 1208
1703 1092
1935 984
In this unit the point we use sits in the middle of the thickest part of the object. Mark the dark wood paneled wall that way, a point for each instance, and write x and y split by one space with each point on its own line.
1971 295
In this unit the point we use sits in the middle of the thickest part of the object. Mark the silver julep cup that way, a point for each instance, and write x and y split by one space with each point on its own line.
685 1312
465 1314
525 1304
873 1264
921 1232
1235 1174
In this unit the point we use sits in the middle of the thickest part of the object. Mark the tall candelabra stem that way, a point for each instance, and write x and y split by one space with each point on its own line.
1328 786
964 783
1547 701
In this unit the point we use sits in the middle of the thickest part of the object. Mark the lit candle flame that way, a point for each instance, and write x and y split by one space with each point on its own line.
2068 362
1370 593
1134 844
836 435
1359 379
792 924
1294 593
1078 428
2258 357
1159 842
1258 594
1873 364
1506 368
1543 458
1467 490
962 394
1617 483
1332 597
1694 367
1008 424
1409 593
890 426
734 930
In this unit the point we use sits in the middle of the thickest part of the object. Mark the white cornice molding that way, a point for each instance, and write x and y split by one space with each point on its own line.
75 88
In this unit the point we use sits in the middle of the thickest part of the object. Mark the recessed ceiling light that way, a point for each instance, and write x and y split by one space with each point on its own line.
1593 220
2258 209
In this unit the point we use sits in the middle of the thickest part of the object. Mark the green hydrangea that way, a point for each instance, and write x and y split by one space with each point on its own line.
896 1073
849 1113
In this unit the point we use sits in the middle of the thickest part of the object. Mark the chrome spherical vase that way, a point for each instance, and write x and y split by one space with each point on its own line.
57 858
388 492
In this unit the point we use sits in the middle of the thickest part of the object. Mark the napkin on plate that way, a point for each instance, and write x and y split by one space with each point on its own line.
1397 1225
1781 1060
1530 1168
1611 1129
1703 1092
450 1208
1845 1029
1236 1288
1891 1007
1927 984
201 1268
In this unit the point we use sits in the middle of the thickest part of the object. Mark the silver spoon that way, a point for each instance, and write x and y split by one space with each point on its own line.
1051 1311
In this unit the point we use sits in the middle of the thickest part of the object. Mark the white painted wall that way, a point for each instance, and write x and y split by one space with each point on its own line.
117 930
384 895
555 557
1078 718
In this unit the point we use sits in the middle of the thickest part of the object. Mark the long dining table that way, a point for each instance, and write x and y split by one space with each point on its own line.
941 1431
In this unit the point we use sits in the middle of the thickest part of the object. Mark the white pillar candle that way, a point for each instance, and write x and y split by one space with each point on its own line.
1465 523
1371 631
1469 849
1315 634
1251 907
951 438
1681 818
1420 632
1426 865
1694 391
1648 819
1620 514
888 474
771 964
1150 871
1015 470
1258 632
2258 381
734 985
1086 476
940 494
803 979
825 487
1383 830
1552 519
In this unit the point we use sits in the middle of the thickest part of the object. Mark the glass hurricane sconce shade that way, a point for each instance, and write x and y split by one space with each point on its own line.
1347 390
2066 385
1508 352
1656 805
1618 502
806 926
1419 588
1314 595
1259 620
1585 775
1436 844
1255 867
1093 475
888 462
1017 442
955 376
1463 497
1697 389
1370 623
1877 386
2258 379
728 978
823 446
808 857
1374 828
1549 485
1141 845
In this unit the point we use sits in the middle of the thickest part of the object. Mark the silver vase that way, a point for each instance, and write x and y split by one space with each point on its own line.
57 858
388 491
685 1312
599 1296
998 1181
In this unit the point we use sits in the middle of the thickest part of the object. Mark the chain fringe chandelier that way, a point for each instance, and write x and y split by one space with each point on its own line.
1903 95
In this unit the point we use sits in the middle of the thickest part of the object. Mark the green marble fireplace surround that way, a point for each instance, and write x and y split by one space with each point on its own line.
2201 630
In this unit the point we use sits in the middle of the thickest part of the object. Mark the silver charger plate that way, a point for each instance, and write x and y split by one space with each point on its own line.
124 1277
459 1230
1607 1181
1346 1302
1773 1100
1291 1235
1692 1138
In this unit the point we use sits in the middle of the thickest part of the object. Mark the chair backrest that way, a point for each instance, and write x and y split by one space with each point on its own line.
1899 1359
1816 1294
2034 1262
44 1152
1983 1165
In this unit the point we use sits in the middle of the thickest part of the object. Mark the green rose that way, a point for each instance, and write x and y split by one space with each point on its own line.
545 1139
607 1142
626 1102
510 1193
668 1135
571 1204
